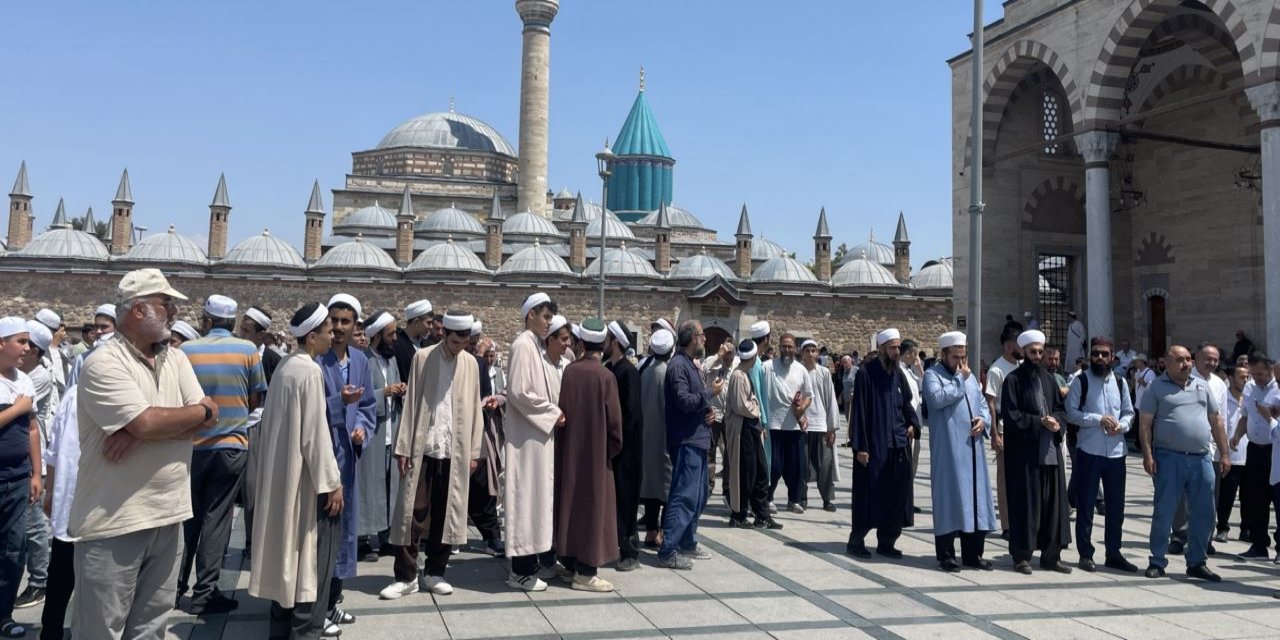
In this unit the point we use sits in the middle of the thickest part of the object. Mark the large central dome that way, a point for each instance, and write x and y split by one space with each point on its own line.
447 130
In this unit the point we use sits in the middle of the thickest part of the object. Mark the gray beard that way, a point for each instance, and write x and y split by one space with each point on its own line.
786 362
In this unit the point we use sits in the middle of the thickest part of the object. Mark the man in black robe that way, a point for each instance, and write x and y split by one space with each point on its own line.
1034 417
415 333
882 425
627 464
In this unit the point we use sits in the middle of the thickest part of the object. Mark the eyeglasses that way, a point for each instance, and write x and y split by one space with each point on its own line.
1099 354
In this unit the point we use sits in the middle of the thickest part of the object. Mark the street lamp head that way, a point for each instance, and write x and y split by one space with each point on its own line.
604 159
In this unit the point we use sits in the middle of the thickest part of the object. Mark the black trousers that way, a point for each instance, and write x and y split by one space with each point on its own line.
626 488
215 481
789 463
430 508
580 568
1255 495
653 512
1111 471
972 546
62 582
753 476
1228 488
305 620
890 497
1049 530
530 564
482 507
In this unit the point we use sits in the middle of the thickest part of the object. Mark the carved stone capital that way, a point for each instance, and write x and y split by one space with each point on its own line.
1097 146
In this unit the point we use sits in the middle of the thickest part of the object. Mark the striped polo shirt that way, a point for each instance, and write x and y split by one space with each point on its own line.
229 369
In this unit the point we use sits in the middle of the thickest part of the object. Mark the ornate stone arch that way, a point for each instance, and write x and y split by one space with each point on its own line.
1104 97
1269 63
1190 74
1155 291
1049 191
1207 39
1011 68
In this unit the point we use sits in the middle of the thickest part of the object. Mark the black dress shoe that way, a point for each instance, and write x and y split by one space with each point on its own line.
737 523
1154 572
1256 552
917 510
1244 535
982 564
1203 572
1004 535
1023 567
1121 564
1210 549
891 553
1175 546
1058 567
218 603
857 551
1087 564
950 566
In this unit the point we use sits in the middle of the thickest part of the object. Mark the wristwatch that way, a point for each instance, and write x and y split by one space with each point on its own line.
208 413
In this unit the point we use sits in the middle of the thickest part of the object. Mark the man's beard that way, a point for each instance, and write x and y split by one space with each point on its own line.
384 349
1099 369
786 361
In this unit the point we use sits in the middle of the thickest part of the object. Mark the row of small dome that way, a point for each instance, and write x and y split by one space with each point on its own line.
376 220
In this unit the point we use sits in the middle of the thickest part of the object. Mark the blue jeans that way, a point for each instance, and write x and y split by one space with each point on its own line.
1110 472
13 540
685 501
38 533
1178 475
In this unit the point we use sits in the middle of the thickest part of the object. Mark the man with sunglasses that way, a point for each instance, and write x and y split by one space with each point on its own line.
1098 405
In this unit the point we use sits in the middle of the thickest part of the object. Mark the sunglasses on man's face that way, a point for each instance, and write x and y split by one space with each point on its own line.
1100 354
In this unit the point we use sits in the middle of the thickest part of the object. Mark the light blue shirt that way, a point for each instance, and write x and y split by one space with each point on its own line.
1104 398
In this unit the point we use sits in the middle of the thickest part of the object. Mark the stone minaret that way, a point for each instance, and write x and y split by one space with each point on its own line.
315 226
122 217
535 77
902 251
20 211
822 248
662 241
578 236
404 229
493 234
742 255
219 218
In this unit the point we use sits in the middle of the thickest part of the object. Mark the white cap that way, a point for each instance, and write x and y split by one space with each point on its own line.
533 301
39 335
619 334
217 306
1032 336
594 336
477 328
557 323
316 319
108 310
49 319
347 299
662 322
458 321
887 335
255 314
417 309
804 345
185 330
12 325
1141 356
758 329
377 322
662 341
953 339
146 282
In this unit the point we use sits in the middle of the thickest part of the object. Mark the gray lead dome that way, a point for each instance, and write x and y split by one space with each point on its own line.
167 247
264 250
447 130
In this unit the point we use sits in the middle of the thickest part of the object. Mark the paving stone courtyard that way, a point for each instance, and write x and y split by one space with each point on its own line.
798 583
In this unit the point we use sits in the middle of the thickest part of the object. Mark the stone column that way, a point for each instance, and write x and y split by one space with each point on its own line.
535 68
314 234
122 217
219 219
493 244
1097 147
1266 101
577 247
20 211
662 251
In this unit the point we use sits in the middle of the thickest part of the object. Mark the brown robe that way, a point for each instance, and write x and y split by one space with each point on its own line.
586 526
740 404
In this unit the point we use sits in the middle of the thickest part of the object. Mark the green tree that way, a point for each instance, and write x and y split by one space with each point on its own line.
99 229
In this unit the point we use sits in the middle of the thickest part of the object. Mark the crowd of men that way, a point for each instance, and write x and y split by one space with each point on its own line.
387 433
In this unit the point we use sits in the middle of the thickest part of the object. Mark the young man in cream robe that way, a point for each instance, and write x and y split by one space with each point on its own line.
437 448
297 530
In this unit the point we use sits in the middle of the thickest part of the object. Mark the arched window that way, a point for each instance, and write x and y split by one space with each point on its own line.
1049 121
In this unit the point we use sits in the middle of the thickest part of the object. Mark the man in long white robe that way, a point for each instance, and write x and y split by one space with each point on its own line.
296 531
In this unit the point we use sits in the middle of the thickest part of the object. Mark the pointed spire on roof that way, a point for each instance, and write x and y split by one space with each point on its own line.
60 218
111 228
495 210
744 223
220 194
640 134
823 231
90 224
20 186
316 205
579 211
451 105
406 204
123 192
901 234
641 78
663 222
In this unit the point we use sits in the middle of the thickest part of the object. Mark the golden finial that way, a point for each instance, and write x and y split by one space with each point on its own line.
641 78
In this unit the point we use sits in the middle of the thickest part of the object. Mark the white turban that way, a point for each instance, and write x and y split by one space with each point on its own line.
376 323
746 350
49 319
477 328
594 336
758 330
804 345
661 342
953 339
347 299
39 335
108 310
619 334
887 335
417 309
256 315
1030 337
458 321
662 322
185 330
533 301
315 320
557 323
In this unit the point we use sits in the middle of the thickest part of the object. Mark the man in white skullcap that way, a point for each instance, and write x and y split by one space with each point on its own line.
759 333
104 330
1034 417
180 332
57 361
437 449
20 463
299 500
883 424
255 326
482 501
629 462
822 421
748 470
372 470
959 425
35 365
230 371
655 475
790 391
415 334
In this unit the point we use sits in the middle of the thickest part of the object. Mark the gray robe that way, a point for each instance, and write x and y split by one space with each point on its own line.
656 475
372 468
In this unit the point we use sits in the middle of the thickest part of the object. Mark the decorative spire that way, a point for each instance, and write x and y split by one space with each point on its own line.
111 227
220 194
20 186
90 224
316 205
579 211
451 105
744 223
641 78
901 234
406 204
60 218
823 231
495 209
662 222
123 192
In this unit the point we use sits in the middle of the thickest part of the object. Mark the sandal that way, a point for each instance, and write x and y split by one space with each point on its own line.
11 629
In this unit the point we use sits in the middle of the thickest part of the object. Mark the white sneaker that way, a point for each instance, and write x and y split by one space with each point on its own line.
772 508
526 583
438 586
594 583
397 590
331 630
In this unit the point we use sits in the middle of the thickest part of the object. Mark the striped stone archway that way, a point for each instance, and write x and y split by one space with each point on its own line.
1011 68
1052 186
1104 99
1190 74
1269 65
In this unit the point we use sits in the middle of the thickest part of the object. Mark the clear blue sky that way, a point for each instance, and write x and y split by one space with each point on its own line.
784 106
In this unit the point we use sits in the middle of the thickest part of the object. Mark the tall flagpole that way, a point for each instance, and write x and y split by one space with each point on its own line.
975 198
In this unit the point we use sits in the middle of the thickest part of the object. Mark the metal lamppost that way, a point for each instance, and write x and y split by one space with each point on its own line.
975 196
603 161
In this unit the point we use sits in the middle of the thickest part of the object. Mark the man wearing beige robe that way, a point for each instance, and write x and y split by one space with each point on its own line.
296 528
437 448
